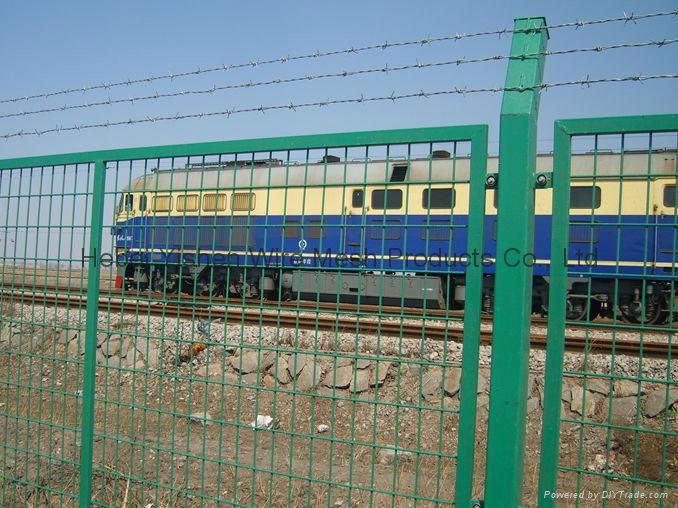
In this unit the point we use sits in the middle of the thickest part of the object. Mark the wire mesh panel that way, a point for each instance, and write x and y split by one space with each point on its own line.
615 213
278 322
44 231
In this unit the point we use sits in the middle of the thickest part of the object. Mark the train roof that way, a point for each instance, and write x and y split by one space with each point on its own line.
277 173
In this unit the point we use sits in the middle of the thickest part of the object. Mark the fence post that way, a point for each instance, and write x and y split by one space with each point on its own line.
513 284
555 346
93 281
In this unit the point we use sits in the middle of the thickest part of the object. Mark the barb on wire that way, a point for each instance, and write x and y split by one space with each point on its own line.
320 54
341 74
362 99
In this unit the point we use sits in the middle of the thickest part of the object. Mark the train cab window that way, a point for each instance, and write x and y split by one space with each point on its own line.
357 198
585 197
129 202
438 198
187 203
242 201
162 203
143 203
389 199
214 202
399 173
670 195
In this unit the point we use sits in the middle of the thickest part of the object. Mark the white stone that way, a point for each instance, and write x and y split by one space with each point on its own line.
263 422
201 418
390 455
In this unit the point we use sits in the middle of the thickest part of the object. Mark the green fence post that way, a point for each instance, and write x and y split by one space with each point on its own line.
555 346
513 285
472 311
93 281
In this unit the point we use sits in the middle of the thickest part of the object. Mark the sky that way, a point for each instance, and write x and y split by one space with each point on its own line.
49 46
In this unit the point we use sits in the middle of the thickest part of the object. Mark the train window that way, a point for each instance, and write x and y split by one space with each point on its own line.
162 203
437 229
214 202
314 229
187 203
129 202
357 198
291 228
387 199
242 201
585 197
438 198
385 229
399 173
143 202
670 195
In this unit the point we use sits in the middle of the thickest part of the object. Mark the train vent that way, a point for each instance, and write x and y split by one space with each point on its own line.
399 173
440 154
330 158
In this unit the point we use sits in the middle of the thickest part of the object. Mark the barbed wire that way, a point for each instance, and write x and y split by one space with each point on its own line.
362 99
626 18
339 74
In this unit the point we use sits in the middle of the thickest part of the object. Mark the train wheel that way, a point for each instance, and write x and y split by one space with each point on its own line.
655 312
582 309
159 283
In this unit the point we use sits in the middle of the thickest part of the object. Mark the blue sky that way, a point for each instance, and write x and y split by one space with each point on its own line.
53 45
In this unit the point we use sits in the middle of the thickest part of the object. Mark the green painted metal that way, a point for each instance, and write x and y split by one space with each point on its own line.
364 138
513 286
472 309
551 455
137 441
555 347
91 332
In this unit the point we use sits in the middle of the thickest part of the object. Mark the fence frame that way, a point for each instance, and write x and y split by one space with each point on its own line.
477 135
564 130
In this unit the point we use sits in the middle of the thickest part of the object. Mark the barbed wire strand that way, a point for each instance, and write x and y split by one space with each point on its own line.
626 18
291 106
339 74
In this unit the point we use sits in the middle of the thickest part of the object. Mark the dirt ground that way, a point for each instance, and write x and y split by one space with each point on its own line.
149 452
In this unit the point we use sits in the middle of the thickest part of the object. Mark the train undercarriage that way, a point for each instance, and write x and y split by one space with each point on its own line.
637 301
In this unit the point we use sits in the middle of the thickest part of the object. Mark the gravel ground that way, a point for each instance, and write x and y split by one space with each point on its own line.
167 432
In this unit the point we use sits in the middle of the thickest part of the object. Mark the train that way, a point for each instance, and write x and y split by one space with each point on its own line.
394 232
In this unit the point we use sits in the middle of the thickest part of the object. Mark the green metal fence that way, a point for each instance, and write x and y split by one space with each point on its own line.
609 430
164 382
297 321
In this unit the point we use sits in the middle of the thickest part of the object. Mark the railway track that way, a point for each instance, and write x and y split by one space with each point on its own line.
338 308
312 319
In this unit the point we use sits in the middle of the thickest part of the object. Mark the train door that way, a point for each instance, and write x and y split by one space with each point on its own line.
355 210
666 218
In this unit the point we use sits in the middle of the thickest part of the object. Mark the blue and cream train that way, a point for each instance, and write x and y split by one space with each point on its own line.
394 232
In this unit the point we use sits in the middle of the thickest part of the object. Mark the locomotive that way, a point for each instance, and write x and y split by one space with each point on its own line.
394 232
